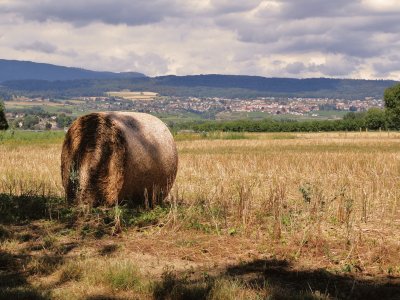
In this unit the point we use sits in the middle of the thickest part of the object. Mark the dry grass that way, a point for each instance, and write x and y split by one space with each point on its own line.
335 195
30 168
315 201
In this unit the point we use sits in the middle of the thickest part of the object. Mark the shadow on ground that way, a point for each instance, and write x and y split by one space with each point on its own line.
17 216
275 279
287 281
268 279
13 279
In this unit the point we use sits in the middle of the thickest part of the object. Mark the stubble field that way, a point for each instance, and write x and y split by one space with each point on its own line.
251 216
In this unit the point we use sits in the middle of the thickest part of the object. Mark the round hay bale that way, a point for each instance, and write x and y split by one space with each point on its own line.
114 157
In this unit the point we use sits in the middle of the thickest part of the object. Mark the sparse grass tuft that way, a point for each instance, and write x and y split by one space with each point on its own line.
71 271
173 286
144 218
117 274
232 289
123 275
44 265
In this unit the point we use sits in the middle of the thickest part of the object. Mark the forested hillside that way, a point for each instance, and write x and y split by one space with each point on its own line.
230 86
19 70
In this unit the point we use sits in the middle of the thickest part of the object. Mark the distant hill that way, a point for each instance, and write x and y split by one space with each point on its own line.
34 79
24 70
308 87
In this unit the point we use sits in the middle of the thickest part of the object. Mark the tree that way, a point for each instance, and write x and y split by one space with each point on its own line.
63 120
354 115
30 121
375 119
392 104
3 120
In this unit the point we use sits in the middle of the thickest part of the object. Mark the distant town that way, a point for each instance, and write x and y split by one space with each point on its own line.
270 105
47 113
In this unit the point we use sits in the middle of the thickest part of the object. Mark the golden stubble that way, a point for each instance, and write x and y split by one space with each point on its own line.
333 195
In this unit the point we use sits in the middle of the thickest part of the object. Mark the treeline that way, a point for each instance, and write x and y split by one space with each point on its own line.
374 119
224 86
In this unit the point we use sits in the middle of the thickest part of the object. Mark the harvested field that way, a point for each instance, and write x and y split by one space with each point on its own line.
133 95
251 216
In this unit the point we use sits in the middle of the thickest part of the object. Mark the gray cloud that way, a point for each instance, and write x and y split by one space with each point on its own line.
37 46
136 12
299 9
384 68
334 66
337 66
297 38
233 6
346 34
295 68
150 63
346 43
349 36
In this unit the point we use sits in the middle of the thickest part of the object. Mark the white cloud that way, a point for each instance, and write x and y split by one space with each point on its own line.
382 5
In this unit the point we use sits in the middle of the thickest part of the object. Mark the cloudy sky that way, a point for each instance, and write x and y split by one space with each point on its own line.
283 38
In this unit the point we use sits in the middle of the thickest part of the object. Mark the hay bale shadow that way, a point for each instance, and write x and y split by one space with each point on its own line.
31 206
